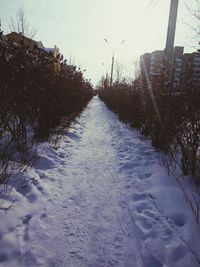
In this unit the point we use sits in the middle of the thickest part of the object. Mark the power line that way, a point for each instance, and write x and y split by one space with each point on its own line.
152 4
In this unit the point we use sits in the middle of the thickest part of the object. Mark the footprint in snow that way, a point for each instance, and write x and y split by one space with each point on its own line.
177 253
140 208
151 215
179 219
145 224
139 197
122 204
3 257
43 216
151 261
145 175
32 197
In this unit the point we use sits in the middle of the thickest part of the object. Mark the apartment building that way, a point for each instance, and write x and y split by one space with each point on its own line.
184 71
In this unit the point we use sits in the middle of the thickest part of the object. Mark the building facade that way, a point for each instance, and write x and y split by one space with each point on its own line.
183 73
20 39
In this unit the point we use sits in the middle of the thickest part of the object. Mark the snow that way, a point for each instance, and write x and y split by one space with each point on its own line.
101 199
48 50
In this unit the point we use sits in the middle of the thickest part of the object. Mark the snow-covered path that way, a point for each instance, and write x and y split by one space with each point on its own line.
100 199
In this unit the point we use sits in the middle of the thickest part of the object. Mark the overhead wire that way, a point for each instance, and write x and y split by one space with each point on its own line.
151 5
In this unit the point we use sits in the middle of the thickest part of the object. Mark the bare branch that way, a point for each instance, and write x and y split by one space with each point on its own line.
195 13
21 25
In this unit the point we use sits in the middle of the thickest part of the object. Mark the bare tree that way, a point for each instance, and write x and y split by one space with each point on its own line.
1 32
20 24
119 71
195 13
136 69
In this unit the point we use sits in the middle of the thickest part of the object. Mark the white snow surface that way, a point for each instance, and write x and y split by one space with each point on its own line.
101 199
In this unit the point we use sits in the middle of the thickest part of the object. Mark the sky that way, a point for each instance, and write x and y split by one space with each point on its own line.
79 27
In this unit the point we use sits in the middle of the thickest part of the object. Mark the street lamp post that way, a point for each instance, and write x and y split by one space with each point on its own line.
113 58
169 49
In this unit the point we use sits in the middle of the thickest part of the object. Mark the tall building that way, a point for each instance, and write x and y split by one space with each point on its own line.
156 63
191 70
185 69
152 67
177 68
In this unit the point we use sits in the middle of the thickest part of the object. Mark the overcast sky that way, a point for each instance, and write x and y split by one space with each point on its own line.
78 28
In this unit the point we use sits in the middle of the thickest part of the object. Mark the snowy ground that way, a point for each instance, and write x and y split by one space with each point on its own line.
100 199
